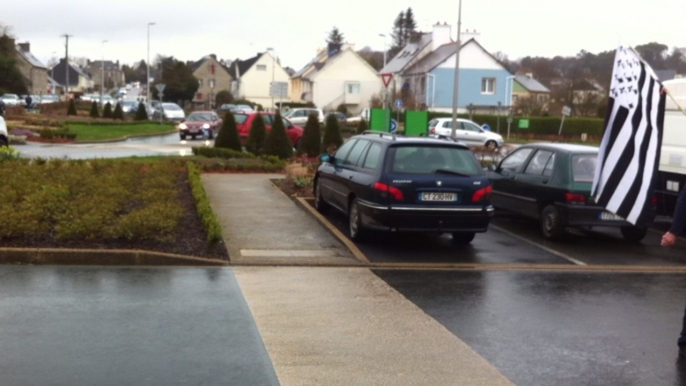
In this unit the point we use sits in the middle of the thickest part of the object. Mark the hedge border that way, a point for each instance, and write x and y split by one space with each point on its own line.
202 203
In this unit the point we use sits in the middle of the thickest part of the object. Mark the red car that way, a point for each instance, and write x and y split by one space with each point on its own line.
198 121
244 121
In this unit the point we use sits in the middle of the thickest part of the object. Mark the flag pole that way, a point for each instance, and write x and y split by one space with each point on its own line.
664 89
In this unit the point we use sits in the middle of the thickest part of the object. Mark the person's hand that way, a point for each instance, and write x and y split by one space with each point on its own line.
668 239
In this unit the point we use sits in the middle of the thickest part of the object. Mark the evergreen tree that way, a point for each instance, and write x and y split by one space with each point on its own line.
409 27
335 36
311 142
398 35
94 110
71 110
278 143
332 133
228 135
257 136
362 126
11 78
118 112
141 113
107 112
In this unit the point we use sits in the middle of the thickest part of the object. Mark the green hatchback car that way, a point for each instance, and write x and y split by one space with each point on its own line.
552 183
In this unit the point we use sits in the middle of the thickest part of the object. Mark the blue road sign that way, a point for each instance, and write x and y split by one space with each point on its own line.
398 103
394 125
486 127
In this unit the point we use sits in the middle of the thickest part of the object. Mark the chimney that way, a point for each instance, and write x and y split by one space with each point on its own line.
467 35
25 47
440 35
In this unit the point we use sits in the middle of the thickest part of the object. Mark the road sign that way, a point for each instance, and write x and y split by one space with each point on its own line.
394 125
523 123
399 103
386 79
509 120
566 111
486 127
160 87
279 89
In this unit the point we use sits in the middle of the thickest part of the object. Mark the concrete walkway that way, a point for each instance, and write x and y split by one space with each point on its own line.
263 226
345 326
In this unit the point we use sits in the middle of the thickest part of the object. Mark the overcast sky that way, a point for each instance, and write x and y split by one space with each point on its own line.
190 29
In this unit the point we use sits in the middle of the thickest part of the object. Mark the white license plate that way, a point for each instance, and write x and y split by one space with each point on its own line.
194 130
610 217
441 197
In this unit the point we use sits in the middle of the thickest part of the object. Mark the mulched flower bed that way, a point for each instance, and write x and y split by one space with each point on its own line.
291 189
50 140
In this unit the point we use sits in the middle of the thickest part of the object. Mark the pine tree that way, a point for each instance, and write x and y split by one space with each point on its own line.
335 36
71 110
107 112
332 133
94 110
278 143
141 113
409 27
257 136
398 35
311 142
362 126
228 135
118 112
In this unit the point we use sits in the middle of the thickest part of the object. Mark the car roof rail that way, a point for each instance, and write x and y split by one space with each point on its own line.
379 133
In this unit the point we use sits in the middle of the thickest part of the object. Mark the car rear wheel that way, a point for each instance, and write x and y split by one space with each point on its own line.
552 223
491 145
357 233
183 137
4 142
319 203
634 234
463 237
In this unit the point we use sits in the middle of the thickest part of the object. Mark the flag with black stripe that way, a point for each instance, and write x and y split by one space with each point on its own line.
629 153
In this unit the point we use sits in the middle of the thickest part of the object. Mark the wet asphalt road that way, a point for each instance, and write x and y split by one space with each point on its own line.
118 326
559 328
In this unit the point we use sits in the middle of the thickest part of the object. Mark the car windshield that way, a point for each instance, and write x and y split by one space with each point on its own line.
244 107
240 118
128 103
435 160
170 106
583 167
195 117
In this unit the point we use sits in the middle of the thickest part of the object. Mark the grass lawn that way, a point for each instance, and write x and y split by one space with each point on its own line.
86 133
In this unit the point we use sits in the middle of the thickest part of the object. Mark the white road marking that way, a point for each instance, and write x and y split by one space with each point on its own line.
541 246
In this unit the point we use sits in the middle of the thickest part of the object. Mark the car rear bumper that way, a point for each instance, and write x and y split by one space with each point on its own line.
579 215
425 219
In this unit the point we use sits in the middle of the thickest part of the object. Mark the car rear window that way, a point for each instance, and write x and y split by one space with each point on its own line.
240 118
583 167
199 117
433 160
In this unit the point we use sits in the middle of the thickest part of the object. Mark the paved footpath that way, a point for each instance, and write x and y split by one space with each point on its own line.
263 226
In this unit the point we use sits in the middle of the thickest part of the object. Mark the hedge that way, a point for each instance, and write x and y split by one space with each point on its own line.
202 203
537 125
217 152
109 123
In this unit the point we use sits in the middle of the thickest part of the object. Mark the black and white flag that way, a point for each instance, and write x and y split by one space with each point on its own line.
630 151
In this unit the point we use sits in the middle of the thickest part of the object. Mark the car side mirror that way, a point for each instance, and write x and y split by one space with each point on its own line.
326 158
493 167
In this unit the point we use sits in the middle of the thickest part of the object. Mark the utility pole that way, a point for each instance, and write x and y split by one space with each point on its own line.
66 67
102 73
456 90
384 50
147 66
272 85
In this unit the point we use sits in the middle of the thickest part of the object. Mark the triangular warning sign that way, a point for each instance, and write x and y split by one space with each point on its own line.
386 79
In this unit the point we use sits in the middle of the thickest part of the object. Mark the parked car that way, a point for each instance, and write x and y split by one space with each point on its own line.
169 111
198 121
299 116
129 107
341 117
227 107
393 183
4 136
244 120
11 99
552 183
243 108
365 114
49 98
467 132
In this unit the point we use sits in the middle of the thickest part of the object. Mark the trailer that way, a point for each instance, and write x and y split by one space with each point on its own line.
671 177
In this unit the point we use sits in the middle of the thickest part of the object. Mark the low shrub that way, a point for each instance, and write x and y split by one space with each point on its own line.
7 153
362 126
94 110
215 152
17 139
118 112
107 111
202 204
71 110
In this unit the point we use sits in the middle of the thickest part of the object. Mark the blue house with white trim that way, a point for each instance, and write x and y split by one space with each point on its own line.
484 81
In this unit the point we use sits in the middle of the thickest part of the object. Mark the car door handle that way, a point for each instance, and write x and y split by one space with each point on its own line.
351 177
546 181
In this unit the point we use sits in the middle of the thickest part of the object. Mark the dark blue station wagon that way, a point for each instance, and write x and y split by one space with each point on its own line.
384 182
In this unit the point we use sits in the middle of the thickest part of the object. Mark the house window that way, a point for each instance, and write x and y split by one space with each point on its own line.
488 86
198 96
261 67
199 82
352 88
515 97
212 69
212 83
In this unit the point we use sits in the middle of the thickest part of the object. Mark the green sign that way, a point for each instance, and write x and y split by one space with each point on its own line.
416 123
523 123
380 120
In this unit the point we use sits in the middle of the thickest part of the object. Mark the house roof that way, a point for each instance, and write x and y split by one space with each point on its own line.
31 59
195 65
405 56
664 75
243 65
321 61
109 65
312 62
531 84
430 61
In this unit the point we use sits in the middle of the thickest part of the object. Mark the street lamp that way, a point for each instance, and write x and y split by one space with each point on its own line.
271 91
102 72
385 50
500 105
456 90
147 66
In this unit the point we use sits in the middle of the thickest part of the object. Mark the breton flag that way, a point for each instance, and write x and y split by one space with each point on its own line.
630 150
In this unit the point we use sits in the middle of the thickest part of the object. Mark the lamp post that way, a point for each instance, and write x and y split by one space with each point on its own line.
147 65
102 73
385 50
500 105
271 89
457 71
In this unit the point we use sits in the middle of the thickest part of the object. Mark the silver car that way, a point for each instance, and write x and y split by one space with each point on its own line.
170 112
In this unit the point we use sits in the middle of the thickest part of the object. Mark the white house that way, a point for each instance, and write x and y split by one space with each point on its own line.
253 78
337 76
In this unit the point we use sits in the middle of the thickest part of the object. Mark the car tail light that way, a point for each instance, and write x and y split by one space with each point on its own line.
395 192
482 194
433 130
654 200
575 198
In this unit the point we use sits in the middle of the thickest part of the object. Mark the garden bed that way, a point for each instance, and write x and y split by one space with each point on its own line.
109 132
104 204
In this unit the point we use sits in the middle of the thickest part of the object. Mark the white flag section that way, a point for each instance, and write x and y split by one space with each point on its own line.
630 149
